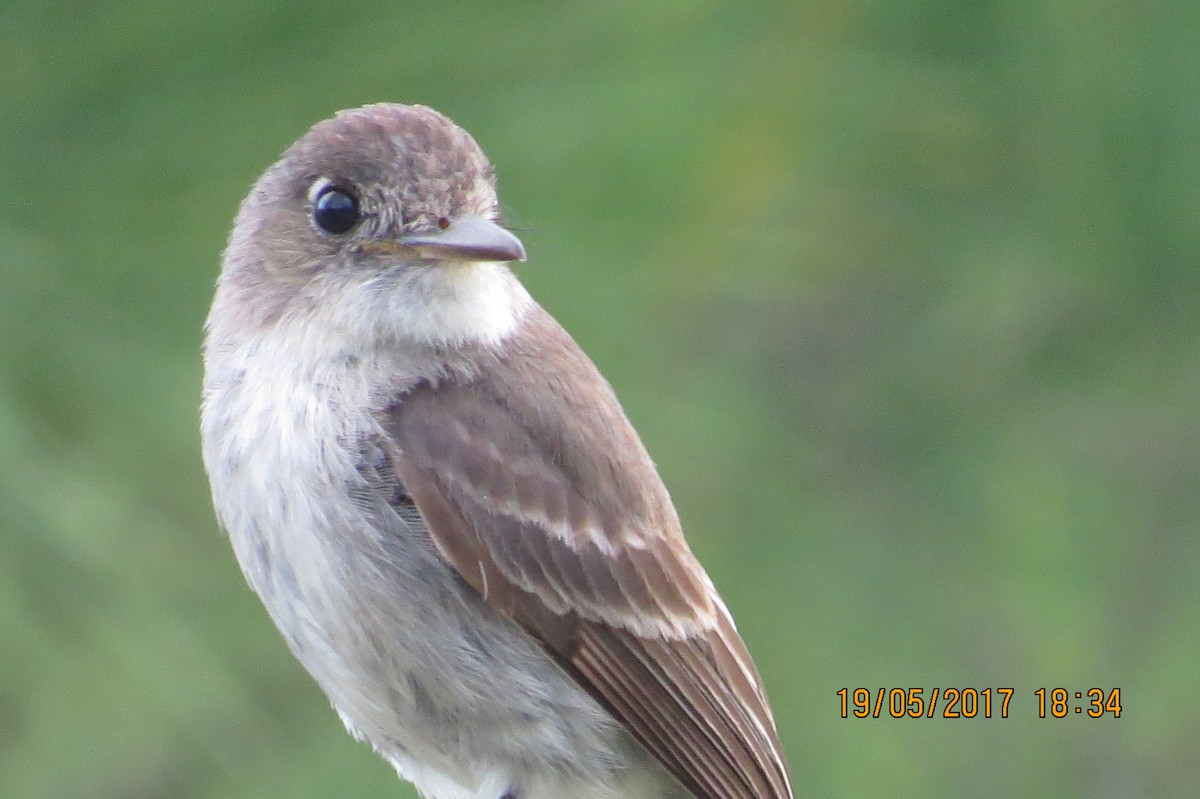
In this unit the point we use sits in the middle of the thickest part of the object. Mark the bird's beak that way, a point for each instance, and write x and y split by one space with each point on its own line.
465 238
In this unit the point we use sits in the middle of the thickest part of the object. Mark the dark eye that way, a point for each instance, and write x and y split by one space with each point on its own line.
335 210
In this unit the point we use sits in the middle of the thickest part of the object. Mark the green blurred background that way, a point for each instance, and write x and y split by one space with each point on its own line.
903 297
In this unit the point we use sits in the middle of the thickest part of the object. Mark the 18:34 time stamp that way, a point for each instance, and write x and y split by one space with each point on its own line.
969 703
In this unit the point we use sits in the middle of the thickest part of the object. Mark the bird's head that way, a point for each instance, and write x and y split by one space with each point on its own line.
386 212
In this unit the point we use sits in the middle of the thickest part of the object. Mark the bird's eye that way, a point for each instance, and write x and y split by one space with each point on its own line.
335 210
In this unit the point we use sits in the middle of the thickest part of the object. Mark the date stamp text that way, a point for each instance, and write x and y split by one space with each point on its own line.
969 703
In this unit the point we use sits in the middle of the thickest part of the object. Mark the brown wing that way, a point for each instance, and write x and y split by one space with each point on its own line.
583 550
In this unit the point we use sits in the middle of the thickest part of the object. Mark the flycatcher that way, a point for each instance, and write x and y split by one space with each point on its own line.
440 501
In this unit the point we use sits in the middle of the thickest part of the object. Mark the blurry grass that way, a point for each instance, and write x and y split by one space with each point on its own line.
902 296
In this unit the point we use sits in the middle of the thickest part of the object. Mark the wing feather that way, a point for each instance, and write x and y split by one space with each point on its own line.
593 565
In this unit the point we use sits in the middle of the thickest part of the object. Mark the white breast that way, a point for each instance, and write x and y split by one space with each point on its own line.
277 413
285 403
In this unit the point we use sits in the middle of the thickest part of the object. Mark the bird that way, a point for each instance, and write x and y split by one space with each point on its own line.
440 501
